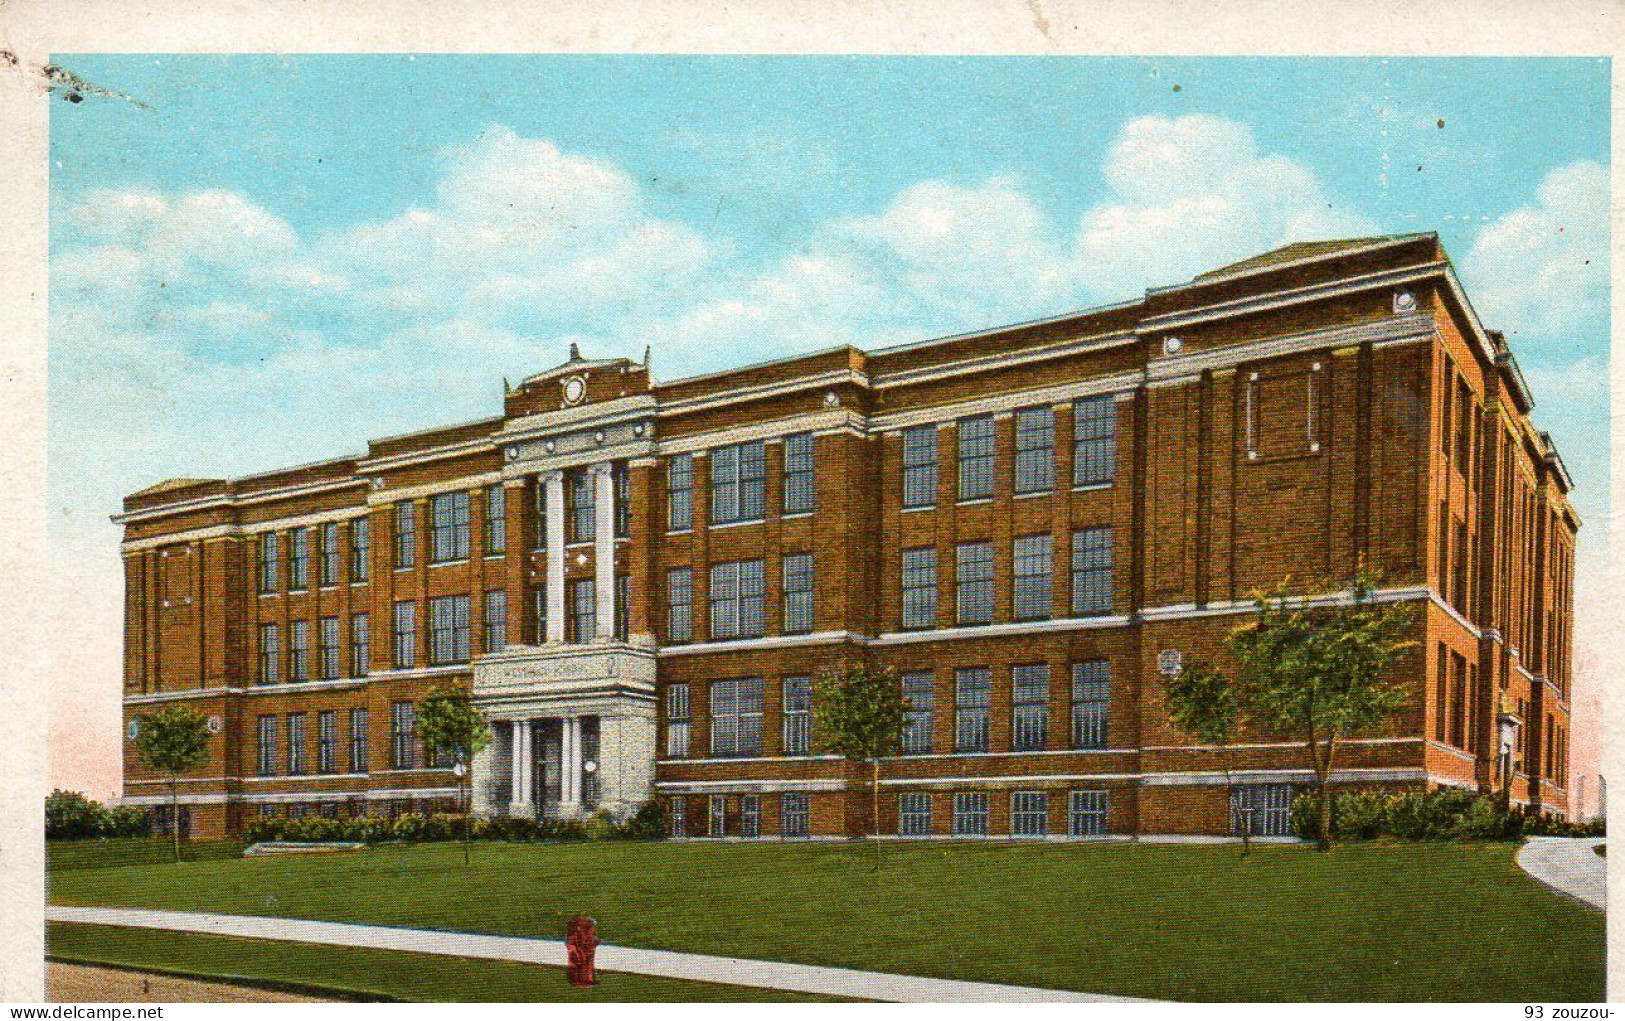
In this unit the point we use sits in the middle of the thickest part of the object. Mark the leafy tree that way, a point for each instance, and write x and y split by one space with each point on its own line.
172 741
452 728
858 712
1202 704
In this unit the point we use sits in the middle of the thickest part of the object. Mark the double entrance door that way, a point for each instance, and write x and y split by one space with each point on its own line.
551 765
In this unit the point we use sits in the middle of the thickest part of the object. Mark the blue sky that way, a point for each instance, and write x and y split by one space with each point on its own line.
271 259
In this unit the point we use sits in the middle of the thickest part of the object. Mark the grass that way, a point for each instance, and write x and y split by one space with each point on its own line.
371 974
1395 921
108 854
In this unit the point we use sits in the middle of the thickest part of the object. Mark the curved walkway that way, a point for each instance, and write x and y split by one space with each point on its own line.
801 978
1568 865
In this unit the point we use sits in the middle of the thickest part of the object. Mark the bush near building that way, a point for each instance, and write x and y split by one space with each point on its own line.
1444 814
70 815
645 824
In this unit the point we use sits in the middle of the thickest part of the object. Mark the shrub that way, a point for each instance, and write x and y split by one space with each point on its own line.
126 821
1443 814
70 815
647 823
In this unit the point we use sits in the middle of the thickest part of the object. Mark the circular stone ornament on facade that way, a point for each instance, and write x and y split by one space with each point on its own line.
134 729
215 724
575 390
590 766
1404 301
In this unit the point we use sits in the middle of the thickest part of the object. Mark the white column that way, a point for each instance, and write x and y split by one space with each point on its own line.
571 794
521 767
603 477
554 482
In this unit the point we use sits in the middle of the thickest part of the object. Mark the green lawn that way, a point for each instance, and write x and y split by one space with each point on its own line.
1368 922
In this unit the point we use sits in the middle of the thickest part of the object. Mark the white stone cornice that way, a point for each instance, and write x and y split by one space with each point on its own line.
1189 366
460 484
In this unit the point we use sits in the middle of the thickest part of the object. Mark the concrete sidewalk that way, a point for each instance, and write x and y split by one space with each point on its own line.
1568 865
800 978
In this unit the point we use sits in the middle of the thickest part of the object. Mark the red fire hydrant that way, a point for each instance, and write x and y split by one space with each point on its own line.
581 943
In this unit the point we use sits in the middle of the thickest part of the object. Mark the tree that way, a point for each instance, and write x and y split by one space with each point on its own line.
452 728
858 712
1320 668
172 741
1202 704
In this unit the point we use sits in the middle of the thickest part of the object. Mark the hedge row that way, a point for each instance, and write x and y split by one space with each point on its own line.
70 815
1443 814
647 824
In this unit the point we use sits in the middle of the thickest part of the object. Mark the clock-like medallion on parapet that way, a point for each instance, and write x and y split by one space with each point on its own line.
575 390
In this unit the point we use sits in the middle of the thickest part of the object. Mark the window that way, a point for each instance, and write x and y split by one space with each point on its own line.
680 492
622 477
750 815
448 534
1035 450
1034 562
795 815
972 687
265 760
406 535
329 570
327 741
1094 441
298 559
406 634
358 740
296 744
1091 572
919 694
402 727
496 620
677 816
976 448
920 466
270 565
970 814
920 588
328 635
270 653
360 645
496 520
360 548
974 582
1262 810
583 617
797 715
1029 814
538 605
736 718
1029 707
736 600
719 816
738 483
299 650
1464 426
623 600
800 487
583 506
1441 694
914 815
677 721
1458 701
1091 702
1086 814
679 605
798 594
539 488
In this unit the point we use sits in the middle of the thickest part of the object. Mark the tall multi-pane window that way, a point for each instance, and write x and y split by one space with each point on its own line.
1029 814
360 549
976 447
270 653
972 695
677 721
299 650
328 572
750 815
920 466
679 605
1091 702
298 559
737 600
296 744
738 483
360 645
1033 567
1029 707
402 733
358 740
680 492
973 582
406 534
538 607
736 717
622 476
270 566
1086 814
797 715
795 815
914 815
583 609
327 635
405 634
1035 450
800 484
496 520
920 587
718 825
496 620
266 757
798 594
1091 571
919 696
970 814
327 741
677 817
583 506
623 603
448 524
1094 441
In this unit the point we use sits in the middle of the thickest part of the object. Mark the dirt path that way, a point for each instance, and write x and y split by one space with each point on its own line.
79 983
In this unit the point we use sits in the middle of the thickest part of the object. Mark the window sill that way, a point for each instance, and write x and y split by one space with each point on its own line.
407 567
921 507
793 515
975 501
1091 487
679 531
455 561
1035 494
719 525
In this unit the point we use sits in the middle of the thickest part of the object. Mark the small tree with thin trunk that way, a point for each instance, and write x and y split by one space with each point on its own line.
452 728
1202 705
172 741
858 713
